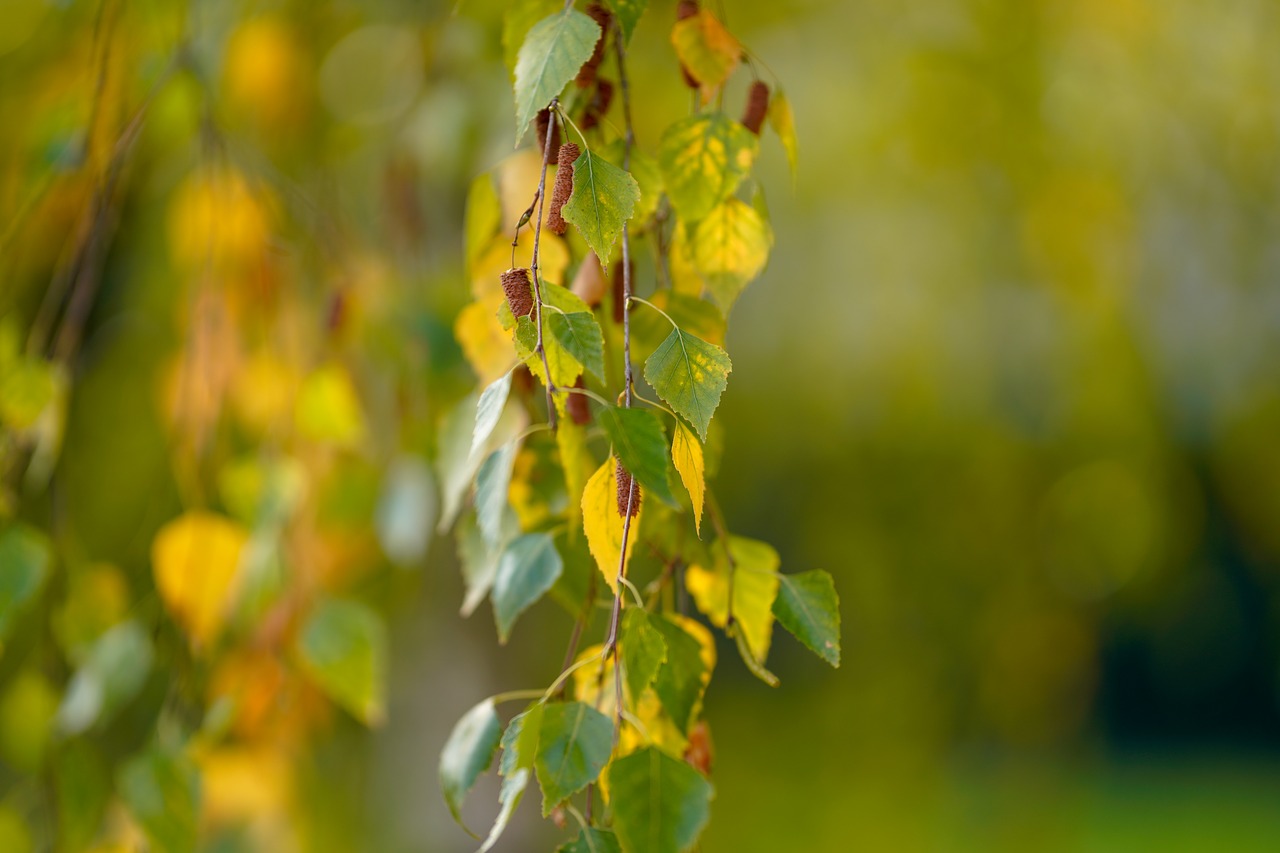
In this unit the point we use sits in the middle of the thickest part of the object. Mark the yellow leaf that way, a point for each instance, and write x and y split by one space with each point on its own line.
263 392
196 560
685 277
495 259
265 74
328 408
783 122
731 247
484 342
686 454
755 586
239 784
707 50
217 220
602 523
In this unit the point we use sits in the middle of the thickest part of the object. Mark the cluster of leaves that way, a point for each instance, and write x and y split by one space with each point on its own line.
620 732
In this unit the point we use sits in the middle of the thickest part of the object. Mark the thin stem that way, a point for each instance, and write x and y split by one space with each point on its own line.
560 679
513 695
587 392
673 323
533 265
580 623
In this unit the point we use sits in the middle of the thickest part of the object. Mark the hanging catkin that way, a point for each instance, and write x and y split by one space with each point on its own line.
757 106
563 188
540 124
624 493
587 74
619 294
515 284
599 105
577 407
687 9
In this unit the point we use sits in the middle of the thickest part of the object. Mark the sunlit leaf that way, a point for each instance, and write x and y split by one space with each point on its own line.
808 607
690 375
343 648
604 197
467 753
644 651
553 51
196 562
731 247
574 743
602 523
162 791
640 442
703 159
755 586
686 455
706 49
660 803
526 570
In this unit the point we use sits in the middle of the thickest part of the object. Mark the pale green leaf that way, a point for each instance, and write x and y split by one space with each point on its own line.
573 747
526 570
111 674
644 651
641 444
628 13
553 51
591 840
489 411
808 607
492 484
519 748
604 197
690 375
660 803
467 753
703 159
343 648
479 560
162 791
730 248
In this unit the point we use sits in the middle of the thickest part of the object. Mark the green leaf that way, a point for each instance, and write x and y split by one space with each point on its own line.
492 483
644 651
343 648
783 122
604 197
489 410
754 584
690 375
519 749
731 247
660 804
629 13
703 159
591 840
808 607
649 329
679 681
26 560
467 753
516 23
112 673
553 51
162 790
573 747
640 442
580 335
479 560
565 369
82 785
526 570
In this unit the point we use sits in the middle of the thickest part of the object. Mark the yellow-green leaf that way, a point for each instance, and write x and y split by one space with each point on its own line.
604 197
783 122
730 248
690 374
703 159
755 586
686 454
707 50
602 523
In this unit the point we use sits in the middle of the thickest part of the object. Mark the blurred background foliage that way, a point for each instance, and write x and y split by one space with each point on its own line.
1011 376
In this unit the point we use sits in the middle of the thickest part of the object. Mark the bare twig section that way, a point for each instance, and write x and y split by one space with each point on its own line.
533 266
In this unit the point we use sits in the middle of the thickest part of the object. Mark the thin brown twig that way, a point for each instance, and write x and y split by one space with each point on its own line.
533 265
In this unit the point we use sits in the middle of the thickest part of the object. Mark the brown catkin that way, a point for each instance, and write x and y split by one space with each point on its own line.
619 296
540 123
624 493
757 106
587 74
563 188
576 405
599 105
687 9
515 284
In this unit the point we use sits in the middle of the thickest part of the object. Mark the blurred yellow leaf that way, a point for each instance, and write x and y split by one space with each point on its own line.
685 278
783 122
755 586
195 559
263 392
264 73
216 219
730 248
484 342
602 523
239 784
707 50
328 408
686 455
495 259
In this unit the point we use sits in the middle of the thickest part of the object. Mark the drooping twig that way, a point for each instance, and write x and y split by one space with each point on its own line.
533 264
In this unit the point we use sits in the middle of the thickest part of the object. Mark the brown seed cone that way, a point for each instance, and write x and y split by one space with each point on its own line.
599 105
588 283
687 9
540 123
757 107
624 493
619 297
577 407
699 752
516 285
563 188
587 74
